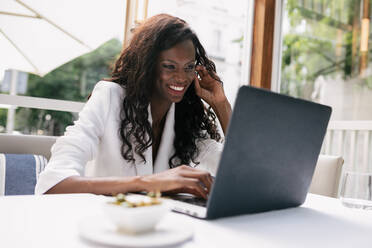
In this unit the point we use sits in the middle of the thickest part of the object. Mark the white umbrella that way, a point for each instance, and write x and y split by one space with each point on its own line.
39 35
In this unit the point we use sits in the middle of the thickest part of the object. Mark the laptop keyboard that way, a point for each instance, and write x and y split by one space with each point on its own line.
184 197
191 200
196 201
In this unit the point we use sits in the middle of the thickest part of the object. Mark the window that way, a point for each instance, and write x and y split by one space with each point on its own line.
72 82
219 26
38 36
216 39
326 54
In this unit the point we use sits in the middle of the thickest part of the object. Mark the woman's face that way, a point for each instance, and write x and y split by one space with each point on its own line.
175 72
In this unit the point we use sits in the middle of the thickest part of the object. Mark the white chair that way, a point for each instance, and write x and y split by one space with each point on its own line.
22 158
327 176
30 144
26 144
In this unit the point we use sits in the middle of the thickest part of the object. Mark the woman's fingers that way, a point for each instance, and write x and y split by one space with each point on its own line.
202 177
210 179
199 70
182 179
202 71
193 191
195 187
188 190
197 86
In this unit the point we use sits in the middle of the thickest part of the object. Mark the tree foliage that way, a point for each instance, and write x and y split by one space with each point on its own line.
321 39
72 81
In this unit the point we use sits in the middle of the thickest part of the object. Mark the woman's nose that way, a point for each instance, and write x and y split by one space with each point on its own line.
183 77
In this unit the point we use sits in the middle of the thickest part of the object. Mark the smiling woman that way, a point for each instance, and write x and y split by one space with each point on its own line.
176 71
146 128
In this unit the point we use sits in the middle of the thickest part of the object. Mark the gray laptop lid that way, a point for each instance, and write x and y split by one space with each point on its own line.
271 149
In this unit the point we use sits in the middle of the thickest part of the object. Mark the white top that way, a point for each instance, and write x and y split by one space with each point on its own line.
95 136
52 221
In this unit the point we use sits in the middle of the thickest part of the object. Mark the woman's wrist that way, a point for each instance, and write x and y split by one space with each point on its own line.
114 185
144 183
137 184
220 105
223 111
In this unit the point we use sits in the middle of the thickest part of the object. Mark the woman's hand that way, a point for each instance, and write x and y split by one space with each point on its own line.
182 179
208 88
211 91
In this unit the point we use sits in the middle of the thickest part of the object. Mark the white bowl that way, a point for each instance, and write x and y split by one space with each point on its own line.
135 220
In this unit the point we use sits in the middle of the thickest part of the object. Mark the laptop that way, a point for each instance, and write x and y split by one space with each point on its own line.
271 149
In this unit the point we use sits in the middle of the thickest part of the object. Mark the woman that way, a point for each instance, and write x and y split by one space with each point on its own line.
146 128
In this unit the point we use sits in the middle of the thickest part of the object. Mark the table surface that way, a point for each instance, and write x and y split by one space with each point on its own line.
51 221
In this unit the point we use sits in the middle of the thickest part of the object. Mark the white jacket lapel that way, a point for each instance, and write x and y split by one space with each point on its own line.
165 150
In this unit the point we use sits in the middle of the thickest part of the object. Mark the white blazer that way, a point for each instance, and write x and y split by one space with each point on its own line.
95 137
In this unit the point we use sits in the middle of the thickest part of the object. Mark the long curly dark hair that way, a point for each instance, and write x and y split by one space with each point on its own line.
135 71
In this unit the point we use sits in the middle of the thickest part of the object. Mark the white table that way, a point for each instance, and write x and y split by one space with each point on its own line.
51 221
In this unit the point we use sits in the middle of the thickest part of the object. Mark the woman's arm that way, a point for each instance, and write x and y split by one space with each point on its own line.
80 142
96 185
211 91
223 111
181 179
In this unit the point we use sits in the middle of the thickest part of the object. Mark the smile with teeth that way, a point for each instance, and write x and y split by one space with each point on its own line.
177 88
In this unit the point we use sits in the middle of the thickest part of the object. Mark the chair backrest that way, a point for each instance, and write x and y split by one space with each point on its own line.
19 173
26 144
327 176
25 156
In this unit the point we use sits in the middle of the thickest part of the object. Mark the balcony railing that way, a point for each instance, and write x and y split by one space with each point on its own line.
350 139
41 103
353 141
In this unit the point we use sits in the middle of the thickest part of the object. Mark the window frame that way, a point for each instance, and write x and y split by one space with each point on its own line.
266 13
277 47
